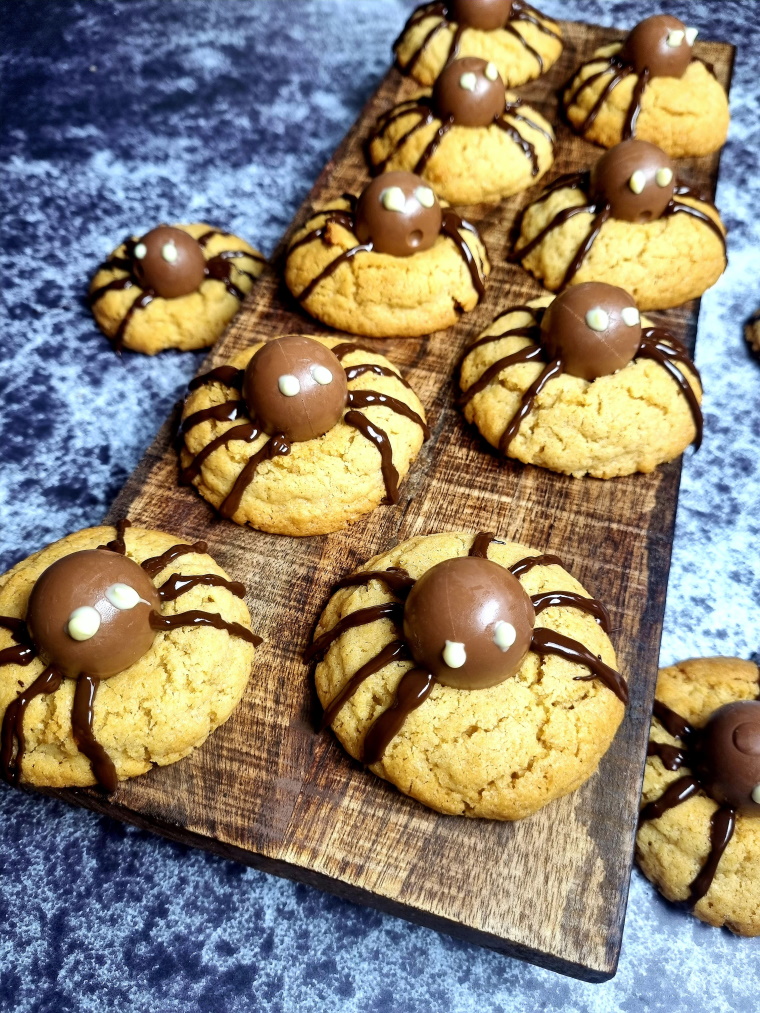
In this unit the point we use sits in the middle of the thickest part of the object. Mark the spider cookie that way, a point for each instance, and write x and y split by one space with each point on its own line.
393 263
628 222
468 138
699 828
522 42
475 675
650 86
119 649
582 385
300 435
178 286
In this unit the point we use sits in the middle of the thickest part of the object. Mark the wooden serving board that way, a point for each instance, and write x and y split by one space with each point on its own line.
268 791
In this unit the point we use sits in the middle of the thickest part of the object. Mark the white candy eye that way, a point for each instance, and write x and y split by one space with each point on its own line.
675 38
393 199
425 196
454 654
169 253
321 374
638 181
630 316
123 597
756 794
664 177
504 635
83 623
598 319
491 71
468 81
140 251
289 385
691 34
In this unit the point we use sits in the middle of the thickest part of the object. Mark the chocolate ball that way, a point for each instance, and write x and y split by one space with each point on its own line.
595 329
470 92
636 179
730 756
486 15
399 214
660 44
469 622
89 612
295 386
169 262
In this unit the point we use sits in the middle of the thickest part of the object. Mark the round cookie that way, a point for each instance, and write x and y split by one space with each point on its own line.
647 88
309 486
752 332
339 275
203 281
673 844
500 752
617 423
574 233
470 148
522 42
160 708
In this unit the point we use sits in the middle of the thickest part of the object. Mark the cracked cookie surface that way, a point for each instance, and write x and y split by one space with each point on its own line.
160 708
672 850
500 753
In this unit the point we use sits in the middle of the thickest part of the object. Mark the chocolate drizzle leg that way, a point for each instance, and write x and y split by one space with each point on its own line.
118 544
546 641
276 446
155 564
379 437
569 599
722 826
396 650
13 723
82 713
23 652
413 690
481 544
522 566
526 404
178 584
196 617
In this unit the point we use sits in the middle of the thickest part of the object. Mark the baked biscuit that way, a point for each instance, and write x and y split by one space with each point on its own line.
175 287
304 462
119 649
487 707
699 835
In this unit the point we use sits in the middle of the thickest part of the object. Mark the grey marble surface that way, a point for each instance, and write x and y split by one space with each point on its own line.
118 115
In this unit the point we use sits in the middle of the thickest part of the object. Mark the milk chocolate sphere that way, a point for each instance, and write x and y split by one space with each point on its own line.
470 92
469 622
89 613
636 179
730 754
399 214
486 15
169 262
295 386
660 44
595 329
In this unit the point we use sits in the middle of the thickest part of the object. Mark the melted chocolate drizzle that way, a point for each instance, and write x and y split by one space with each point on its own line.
569 599
276 446
411 693
392 610
195 618
481 544
370 398
118 544
230 376
522 566
23 652
82 713
396 650
379 437
521 11
218 268
13 723
155 564
178 584
546 641
396 579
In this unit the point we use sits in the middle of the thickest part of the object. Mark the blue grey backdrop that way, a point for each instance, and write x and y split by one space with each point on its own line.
117 115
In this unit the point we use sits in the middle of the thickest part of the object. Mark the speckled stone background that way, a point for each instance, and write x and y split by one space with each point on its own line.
119 115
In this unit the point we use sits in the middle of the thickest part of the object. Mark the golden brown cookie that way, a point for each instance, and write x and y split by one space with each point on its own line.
504 749
686 116
465 164
613 424
213 275
307 486
525 45
752 332
343 279
662 262
701 851
182 683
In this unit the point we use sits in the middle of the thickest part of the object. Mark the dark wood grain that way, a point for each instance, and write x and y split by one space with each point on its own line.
268 791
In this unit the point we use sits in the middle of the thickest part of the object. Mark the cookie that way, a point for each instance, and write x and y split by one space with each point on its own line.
651 87
752 332
468 138
627 222
393 263
522 42
492 706
175 287
582 385
300 435
699 831
119 649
